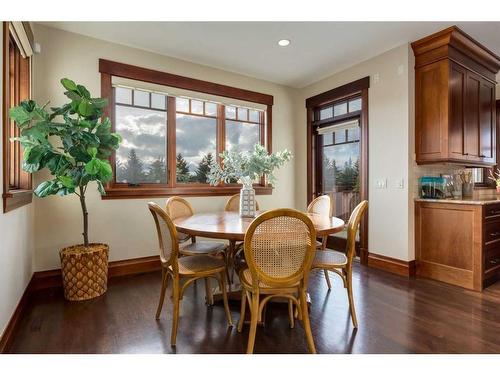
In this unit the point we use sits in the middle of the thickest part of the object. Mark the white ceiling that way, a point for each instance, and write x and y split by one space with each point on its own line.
317 49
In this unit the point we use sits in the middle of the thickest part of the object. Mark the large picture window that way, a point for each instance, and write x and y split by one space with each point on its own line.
16 88
170 139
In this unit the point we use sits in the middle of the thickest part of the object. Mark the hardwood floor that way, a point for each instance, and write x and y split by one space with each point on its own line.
396 315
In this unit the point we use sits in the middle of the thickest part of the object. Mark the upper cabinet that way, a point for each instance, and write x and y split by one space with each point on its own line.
455 100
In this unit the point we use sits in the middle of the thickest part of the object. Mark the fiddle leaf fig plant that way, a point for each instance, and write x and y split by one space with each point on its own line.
73 142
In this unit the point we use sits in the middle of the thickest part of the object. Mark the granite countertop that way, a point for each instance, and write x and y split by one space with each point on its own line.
480 200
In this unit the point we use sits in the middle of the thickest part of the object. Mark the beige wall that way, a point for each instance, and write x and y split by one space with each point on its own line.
16 250
126 224
390 154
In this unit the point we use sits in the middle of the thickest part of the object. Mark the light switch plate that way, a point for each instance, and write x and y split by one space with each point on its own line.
399 184
381 183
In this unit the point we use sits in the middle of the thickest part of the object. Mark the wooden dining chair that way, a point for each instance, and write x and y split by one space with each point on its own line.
188 268
279 250
179 207
321 206
341 263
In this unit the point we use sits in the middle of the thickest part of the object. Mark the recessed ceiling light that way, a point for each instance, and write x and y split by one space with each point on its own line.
283 42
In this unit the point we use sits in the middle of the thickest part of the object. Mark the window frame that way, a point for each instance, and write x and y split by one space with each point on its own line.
21 193
109 69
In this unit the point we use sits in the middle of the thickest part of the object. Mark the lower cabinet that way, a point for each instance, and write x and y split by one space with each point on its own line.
458 243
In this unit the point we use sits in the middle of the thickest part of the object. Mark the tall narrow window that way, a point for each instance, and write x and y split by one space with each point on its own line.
16 74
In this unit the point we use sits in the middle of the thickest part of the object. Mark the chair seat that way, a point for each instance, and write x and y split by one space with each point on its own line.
246 280
196 264
202 247
329 258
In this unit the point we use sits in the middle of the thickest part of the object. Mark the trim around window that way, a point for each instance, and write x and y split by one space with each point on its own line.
115 190
16 75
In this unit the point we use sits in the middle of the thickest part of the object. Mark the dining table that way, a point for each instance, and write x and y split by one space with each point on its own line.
228 225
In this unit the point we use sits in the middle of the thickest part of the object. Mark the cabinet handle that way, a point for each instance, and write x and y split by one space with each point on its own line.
494 212
494 234
466 153
482 156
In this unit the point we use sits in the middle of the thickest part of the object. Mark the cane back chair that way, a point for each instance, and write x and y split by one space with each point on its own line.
279 250
188 268
179 207
321 206
341 263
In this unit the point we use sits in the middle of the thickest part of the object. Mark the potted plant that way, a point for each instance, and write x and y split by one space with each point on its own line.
495 176
80 144
245 168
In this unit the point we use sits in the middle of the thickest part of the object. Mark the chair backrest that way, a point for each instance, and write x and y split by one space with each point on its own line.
320 206
178 207
352 228
167 235
233 204
279 247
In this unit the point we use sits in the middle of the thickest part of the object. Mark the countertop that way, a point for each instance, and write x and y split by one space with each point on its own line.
480 200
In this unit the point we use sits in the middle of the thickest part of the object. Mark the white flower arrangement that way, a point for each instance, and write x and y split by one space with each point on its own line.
246 167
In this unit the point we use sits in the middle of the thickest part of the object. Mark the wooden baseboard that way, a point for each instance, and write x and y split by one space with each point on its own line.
52 279
397 266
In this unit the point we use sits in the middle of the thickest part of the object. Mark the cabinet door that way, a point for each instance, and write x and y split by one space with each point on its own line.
471 128
457 98
487 133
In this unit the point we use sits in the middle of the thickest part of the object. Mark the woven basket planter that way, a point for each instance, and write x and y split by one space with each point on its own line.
84 271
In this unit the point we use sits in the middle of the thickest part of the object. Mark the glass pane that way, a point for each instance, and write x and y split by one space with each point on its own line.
210 109
242 136
123 95
230 112
194 154
327 139
142 154
353 134
340 136
326 113
197 107
158 101
478 175
340 109
341 177
355 105
141 98
243 114
182 104
253 116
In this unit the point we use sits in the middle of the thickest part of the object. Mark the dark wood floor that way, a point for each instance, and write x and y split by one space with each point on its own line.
396 315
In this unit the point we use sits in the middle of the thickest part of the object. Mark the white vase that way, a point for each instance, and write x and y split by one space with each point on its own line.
247 201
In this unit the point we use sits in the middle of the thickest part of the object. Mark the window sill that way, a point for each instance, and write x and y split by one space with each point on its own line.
193 191
16 198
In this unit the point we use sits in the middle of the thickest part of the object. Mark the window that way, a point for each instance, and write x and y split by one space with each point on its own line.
17 69
169 141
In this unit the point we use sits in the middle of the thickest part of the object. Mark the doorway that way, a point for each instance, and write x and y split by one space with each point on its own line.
338 155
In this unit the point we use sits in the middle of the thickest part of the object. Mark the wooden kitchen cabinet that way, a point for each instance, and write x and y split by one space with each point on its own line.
455 100
458 243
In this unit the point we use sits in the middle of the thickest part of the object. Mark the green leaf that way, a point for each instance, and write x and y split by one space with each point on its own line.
99 168
31 168
69 84
20 115
35 154
100 102
92 151
85 108
66 181
73 95
57 164
47 188
100 188
82 90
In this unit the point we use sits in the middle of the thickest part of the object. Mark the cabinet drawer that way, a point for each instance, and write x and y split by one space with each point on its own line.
492 211
492 258
492 232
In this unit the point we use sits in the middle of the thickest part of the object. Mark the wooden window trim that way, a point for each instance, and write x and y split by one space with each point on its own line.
357 88
22 194
108 69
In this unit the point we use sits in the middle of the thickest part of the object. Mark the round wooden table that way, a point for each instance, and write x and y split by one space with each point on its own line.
230 226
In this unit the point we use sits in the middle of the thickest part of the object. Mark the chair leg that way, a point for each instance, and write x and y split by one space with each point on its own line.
164 284
208 292
327 278
351 299
175 321
222 284
253 323
306 323
242 309
291 313
226 261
